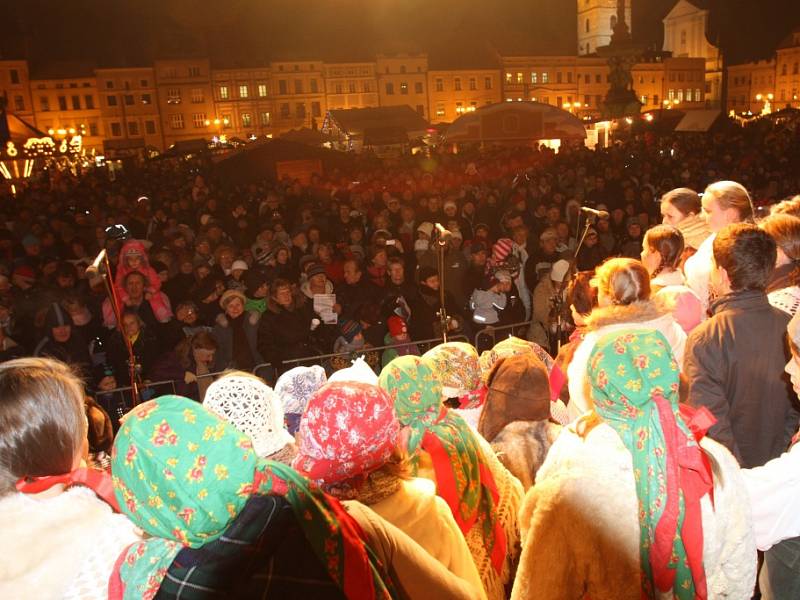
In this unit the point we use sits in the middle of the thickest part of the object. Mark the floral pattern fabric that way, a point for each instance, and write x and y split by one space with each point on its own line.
512 346
348 429
463 478
456 367
182 474
634 380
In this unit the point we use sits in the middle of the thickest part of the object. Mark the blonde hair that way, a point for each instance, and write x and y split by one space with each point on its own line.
622 280
730 194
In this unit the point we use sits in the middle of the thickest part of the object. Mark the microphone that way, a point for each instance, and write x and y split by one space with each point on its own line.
93 270
444 234
600 214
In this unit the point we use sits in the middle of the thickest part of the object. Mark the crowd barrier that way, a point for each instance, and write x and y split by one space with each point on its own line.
490 335
118 401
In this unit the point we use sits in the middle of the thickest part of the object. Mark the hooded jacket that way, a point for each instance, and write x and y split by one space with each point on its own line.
646 314
734 364
75 351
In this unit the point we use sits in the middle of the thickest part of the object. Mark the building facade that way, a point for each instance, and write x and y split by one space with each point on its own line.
403 80
686 35
243 105
299 94
185 98
596 22
787 71
351 85
15 84
129 112
455 92
751 86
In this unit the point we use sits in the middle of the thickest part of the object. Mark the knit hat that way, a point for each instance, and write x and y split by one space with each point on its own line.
350 329
239 265
426 228
56 317
559 270
455 365
253 408
501 249
359 371
315 269
519 390
397 326
296 386
230 295
348 429
426 272
512 346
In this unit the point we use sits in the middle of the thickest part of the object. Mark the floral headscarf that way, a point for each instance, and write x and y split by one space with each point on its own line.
455 365
634 379
348 429
182 474
512 346
463 478
294 388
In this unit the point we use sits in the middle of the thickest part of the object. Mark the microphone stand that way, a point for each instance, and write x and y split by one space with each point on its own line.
558 300
443 318
104 270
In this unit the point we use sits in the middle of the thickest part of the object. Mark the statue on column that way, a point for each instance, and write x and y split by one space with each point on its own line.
621 55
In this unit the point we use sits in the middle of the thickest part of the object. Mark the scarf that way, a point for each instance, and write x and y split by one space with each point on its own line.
182 474
456 368
463 478
240 351
634 380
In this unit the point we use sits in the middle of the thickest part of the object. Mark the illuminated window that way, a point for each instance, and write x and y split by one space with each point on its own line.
671 94
265 119
197 96
173 96
244 91
680 95
534 77
194 71
223 92
146 99
199 120
262 90
697 97
247 120
440 111
404 88
509 77
689 95
545 77
176 121
519 78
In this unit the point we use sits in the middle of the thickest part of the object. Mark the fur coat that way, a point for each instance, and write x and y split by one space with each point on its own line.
646 314
580 529
522 447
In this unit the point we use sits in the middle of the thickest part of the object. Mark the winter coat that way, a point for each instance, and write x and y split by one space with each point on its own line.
284 333
158 300
580 526
63 546
486 305
646 314
734 364
352 297
223 333
416 510
698 270
522 447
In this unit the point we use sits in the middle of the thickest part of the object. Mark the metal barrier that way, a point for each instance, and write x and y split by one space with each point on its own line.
422 345
491 333
118 401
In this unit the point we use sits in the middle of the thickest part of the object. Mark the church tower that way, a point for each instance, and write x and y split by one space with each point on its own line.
596 21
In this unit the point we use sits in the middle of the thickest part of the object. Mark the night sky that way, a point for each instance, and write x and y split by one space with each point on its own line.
133 32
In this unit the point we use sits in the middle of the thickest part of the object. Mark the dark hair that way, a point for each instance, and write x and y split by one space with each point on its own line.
581 294
747 254
685 200
668 242
202 340
784 228
42 420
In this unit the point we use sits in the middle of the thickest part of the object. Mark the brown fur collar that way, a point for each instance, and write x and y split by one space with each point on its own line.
637 312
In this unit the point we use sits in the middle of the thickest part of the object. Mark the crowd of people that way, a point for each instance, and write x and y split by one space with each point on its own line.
631 436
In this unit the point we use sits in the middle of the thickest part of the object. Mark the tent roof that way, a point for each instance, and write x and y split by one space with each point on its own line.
516 121
698 120
356 121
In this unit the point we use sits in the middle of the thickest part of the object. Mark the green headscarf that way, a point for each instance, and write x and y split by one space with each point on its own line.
635 382
182 474
463 479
